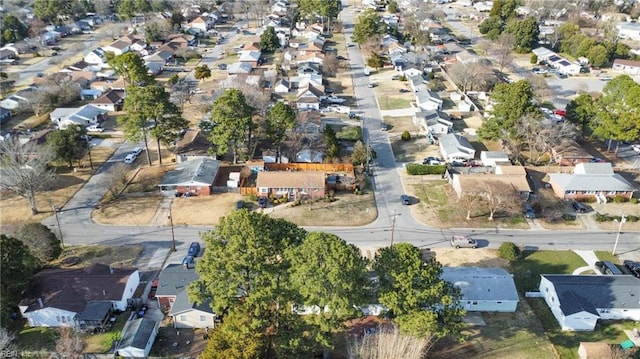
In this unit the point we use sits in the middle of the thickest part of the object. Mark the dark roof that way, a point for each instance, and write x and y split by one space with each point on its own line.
95 311
110 97
72 289
198 171
137 333
174 279
577 293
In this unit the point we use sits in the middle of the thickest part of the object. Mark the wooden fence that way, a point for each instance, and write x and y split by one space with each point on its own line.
247 191
322 167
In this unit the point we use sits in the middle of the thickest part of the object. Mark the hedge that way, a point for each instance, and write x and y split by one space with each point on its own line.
420 169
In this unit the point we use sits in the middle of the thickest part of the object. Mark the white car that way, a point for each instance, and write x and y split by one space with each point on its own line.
95 128
131 158
137 151
334 99
636 148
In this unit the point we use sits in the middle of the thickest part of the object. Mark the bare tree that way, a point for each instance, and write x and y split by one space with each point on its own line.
70 344
471 202
117 179
182 92
468 76
541 90
538 136
38 101
550 206
485 46
330 64
502 50
25 169
499 197
389 342
6 340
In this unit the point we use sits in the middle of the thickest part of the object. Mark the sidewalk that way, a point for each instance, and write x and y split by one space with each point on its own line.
590 258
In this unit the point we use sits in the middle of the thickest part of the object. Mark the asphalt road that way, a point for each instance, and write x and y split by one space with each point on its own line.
394 221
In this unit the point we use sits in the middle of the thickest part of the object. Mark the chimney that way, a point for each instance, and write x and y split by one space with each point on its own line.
110 269
40 302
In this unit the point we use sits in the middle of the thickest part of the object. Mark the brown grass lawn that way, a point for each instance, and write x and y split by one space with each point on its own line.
205 210
348 210
82 256
131 211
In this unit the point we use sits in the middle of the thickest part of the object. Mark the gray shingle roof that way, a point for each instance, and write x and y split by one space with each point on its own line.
577 293
200 171
174 279
452 143
137 333
591 182
183 304
482 283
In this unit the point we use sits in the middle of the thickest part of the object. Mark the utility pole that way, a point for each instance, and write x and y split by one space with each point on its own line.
393 227
90 160
55 210
173 235
615 245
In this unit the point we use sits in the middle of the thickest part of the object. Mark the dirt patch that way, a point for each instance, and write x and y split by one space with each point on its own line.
82 256
182 343
132 211
466 257
203 210
348 210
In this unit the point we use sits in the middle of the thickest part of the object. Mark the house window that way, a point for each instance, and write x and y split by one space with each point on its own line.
263 190
612 193
64 319
474 303
499 302
58 318
203 318
570 192
589 192
183 317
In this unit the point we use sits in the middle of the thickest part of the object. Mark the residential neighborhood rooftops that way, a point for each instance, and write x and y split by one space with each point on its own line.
183 303
137 333
198 171
592 177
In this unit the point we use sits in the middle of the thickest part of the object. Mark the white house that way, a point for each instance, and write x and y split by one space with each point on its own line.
188 314
455 147
628 67
96 57
87 115
556 61
435 123
492 158
16 101
578 301
281 86
55 297
428 100
239 68
138 336
118 47
629 30
308 98
484 289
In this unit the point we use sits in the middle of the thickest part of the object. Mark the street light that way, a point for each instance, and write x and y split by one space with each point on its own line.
173 235
615 245
55 210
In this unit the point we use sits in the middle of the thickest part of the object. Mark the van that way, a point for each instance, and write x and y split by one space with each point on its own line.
194 249
367 71
130 158
608 268
579 207
463 242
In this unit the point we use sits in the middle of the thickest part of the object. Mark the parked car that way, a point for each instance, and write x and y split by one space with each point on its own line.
636 148
340 57
463 242
222 66
405 200
137 151
95 128
395 77
432 161
194 249
579 207
528 211
384 127
131 158
371 85
633 267
608 268
352 115
188 262
263 202
403 90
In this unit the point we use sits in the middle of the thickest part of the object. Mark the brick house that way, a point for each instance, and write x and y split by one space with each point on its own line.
292 184
591 180
195 177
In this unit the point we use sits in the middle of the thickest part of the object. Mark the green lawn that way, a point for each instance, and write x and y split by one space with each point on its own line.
102 342
35 339
533 263
432 192
394 103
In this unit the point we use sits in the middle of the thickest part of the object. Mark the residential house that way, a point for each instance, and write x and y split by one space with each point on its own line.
187 314
239 68
309 68
591 180
556 61
195 177
111 101
312 57
163 54
87 115
478 180
49 37
251 46
138 336
292 185
494 158
18 100
118 47
579 301
629 67
279 7
428 100
435 123
395 48
568 153
398 61
252 57
305 80
416 81
315 46
455 147
96 57
154 68
308 98
415 74
281 86
56 297
484 289
629 30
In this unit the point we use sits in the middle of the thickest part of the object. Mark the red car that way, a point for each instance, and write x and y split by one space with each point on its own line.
558 112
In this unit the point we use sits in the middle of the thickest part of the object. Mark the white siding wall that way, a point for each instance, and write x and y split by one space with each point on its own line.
132 284
505 306
51 317
194 319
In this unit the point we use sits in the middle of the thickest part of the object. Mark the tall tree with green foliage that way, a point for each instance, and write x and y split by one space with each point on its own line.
327 9
202 72
376 61
526 33
53 11
504 9
280 118
269 40
598 55
126 9
13 29
424 305
25 169
618 111
150 111
42 243
233 123
244 268
330 142
581 112
328 273
69 144
511 102
130 65
492 27
367 26
17 265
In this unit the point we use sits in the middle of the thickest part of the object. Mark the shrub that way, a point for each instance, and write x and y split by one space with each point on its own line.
406 136
568 217
534 59
632 218
509 251
600 217
619 199
420 169
633 201
402 78
253 197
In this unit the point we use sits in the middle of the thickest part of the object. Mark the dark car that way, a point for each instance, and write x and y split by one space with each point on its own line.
579 207
405 200
431 161
403 90
528 211
188 262
384 127
340 57
263 202
352 115
240 204
222 66
633 267
194 249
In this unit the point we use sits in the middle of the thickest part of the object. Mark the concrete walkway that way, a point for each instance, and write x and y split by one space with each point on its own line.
400 112
590 258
